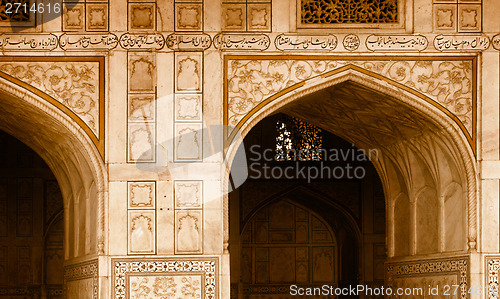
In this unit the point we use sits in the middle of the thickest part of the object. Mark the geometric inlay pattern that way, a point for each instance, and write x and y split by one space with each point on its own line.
492 275
82 271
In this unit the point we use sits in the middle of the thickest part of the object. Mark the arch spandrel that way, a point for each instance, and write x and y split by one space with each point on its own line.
447 83
75 85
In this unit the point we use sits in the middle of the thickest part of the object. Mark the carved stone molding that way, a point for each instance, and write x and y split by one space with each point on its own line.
81 277
164 272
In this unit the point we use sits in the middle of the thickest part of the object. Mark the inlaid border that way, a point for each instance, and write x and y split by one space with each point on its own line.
471 139
97 140
492 273
122 268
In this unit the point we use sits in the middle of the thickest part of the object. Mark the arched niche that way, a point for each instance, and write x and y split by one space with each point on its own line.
72 157
410 134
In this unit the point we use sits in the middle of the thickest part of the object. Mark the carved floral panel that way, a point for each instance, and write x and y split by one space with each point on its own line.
165 286
165 278
73 84
449 83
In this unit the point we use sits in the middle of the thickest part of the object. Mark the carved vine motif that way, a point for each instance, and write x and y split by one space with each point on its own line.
449 83
144 278
75 85
349 11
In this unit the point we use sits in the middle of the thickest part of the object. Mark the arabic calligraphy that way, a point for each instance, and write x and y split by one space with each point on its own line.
496 42
351 42
78 42
12 42
306 42
188 42
142 41
461 42
396 42
242 42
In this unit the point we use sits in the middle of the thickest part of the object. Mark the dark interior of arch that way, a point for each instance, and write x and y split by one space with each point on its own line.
31 223
353 209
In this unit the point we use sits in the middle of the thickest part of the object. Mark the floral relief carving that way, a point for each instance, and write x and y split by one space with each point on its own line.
73 84
178 286
165 278
449 83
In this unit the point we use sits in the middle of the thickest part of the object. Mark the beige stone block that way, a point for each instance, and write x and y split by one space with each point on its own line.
469 18
141 72
445 17
188 142
166 217
188 231
141 108
490 96
117 112
141 232
422 16
165 105
117 216
188 17
188 107
281 10
74 17
489 222
234 17
118 9
490 16
165 15
141 195
142 16
97 17
259 17
490 170
188 194
188 72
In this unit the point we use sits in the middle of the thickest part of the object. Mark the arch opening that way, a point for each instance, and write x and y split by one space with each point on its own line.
71 156
424 161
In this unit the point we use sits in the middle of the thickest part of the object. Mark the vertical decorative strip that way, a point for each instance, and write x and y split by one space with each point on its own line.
188 197
141 217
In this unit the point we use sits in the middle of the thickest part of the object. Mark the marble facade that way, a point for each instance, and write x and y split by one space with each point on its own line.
123 100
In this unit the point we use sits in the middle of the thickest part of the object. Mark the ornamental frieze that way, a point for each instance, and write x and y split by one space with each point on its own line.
448 82
73 84
248 42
